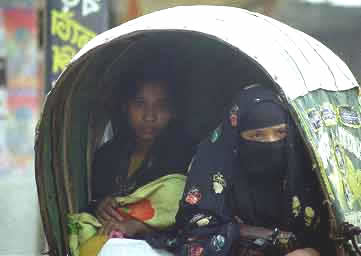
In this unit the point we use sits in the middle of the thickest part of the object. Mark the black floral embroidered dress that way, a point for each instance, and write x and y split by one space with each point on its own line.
232 181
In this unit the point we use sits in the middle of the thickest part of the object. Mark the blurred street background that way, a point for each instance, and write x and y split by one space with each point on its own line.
26 75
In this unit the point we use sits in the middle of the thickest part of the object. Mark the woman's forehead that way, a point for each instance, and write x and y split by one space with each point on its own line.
262 115
153 88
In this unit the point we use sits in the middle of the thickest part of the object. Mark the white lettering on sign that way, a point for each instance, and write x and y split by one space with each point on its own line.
68 4
90 6
87 7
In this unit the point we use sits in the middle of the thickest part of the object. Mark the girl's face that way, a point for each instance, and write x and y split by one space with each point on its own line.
150 111
268 134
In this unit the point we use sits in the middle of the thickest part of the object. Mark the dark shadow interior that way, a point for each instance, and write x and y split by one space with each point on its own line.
207 72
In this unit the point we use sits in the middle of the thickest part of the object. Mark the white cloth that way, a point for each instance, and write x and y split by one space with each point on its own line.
129 247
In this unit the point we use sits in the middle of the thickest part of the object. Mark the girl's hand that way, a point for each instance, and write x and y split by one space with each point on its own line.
128 227
113 226
304 252
106 211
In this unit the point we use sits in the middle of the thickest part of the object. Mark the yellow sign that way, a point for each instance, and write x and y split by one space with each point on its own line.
69 30
61 57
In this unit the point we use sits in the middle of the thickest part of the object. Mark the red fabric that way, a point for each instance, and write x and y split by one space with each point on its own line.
142 210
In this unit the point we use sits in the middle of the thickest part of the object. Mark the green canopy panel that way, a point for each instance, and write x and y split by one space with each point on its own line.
210 57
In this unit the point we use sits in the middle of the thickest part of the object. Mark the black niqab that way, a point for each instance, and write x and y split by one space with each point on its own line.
262 167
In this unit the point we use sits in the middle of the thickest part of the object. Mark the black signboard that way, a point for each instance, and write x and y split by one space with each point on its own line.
70 24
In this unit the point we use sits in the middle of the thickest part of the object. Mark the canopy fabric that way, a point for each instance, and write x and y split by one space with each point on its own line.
297 62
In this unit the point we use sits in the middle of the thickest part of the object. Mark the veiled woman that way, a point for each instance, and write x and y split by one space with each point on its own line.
251 189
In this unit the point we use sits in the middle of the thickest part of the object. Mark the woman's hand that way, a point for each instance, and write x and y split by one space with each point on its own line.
128 228
106 211
304 252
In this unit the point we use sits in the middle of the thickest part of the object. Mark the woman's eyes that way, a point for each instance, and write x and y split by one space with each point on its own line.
162 106
263 135
266 135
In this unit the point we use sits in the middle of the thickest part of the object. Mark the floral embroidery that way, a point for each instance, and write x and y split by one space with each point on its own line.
195 250
219 183
234 116
296 206
196 218
216 134
218 242
193 196
309 215
204 221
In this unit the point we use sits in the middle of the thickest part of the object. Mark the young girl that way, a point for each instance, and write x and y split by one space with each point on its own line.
137 178
153 145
